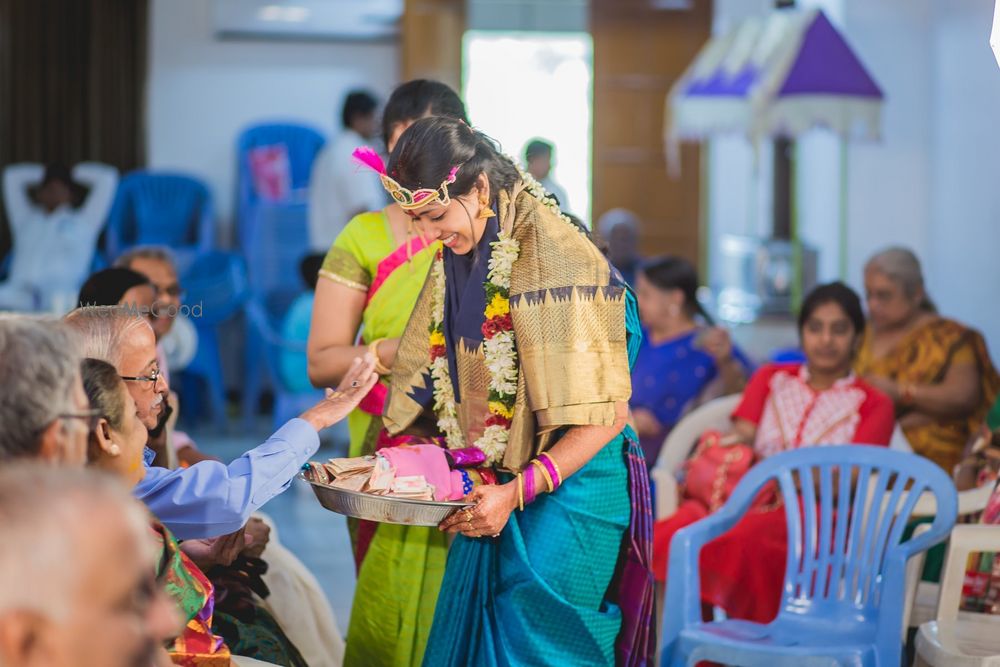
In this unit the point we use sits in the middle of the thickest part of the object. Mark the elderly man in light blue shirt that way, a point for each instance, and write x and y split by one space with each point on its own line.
210 498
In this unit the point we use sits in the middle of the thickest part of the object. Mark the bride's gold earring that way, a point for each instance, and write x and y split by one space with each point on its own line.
485 212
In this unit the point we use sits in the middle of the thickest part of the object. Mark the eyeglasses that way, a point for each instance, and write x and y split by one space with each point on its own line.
92 416
153 376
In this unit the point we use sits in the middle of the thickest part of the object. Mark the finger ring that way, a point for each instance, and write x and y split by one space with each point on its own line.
468 516
355 383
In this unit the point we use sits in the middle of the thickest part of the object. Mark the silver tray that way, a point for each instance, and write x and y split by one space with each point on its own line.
384 509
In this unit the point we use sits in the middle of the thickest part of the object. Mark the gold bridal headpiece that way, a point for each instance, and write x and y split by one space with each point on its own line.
407 199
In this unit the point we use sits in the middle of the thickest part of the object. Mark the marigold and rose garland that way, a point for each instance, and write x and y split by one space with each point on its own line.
499 349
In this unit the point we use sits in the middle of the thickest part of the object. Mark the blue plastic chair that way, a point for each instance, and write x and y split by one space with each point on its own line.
287 402
216 285
858 619
273 235
161 208
302 144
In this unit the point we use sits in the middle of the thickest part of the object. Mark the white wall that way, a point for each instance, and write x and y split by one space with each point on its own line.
890 183
203 91
963 256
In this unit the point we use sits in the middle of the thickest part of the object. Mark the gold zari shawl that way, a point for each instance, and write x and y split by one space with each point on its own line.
569 327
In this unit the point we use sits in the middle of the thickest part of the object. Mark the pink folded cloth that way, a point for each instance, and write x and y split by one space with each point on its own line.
430 462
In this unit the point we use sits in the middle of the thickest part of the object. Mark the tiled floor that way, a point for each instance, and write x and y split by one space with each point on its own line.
318 537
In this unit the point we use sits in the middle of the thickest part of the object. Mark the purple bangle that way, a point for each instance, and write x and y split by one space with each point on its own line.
529 485
553 471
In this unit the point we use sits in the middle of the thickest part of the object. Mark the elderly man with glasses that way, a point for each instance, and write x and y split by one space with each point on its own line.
157 263
209 498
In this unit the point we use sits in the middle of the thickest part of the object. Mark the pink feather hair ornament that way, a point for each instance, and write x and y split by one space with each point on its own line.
406 198
368 157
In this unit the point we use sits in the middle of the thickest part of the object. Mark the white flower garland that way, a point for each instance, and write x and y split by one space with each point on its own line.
499 347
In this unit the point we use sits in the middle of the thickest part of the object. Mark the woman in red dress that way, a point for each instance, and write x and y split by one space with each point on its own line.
785 406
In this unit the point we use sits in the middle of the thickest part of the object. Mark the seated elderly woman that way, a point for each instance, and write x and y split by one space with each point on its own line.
784 407
117 444
680 359
937 372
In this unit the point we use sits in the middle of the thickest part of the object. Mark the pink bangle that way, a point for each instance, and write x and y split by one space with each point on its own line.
553 469
529 485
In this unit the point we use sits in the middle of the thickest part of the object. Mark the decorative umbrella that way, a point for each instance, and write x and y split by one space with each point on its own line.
774 76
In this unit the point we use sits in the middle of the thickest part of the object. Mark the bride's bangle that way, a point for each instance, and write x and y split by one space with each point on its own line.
380 368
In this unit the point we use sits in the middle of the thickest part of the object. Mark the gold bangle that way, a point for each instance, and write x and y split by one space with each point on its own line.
373 349
554 465
520 491
550 487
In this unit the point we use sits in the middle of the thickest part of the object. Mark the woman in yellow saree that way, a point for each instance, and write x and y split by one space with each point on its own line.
368 285
937 371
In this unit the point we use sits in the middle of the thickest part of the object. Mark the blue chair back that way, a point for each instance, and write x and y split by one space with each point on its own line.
160 208
274 247
301 141
846 552
217 283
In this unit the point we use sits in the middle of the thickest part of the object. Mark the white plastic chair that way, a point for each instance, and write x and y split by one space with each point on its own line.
678 445
954 638
922 596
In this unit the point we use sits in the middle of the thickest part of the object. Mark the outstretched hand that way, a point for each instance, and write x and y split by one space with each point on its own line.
357 382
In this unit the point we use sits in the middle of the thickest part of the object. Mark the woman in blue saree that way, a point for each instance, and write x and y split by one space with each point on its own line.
682 361
520 345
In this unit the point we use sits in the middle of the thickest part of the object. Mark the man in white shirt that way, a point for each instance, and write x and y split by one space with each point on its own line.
54 223
538 160
338 188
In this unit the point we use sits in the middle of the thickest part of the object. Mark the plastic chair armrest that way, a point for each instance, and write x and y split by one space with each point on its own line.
965 539
666 493
683 596
971 501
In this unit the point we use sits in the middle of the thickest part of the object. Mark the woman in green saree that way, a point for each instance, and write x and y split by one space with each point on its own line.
368 284
521 343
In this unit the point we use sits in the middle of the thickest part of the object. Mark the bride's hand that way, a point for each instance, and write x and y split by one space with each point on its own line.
357 382
492 507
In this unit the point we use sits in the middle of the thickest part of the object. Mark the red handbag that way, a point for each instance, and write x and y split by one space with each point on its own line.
713 471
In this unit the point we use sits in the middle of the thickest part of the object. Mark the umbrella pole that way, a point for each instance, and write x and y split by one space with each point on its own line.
793 214
843 210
